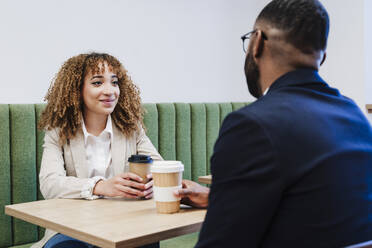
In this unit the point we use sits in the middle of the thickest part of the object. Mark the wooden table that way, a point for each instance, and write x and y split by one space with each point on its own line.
109 222
205 179
369 108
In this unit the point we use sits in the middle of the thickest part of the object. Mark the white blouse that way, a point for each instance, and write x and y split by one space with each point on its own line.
98 156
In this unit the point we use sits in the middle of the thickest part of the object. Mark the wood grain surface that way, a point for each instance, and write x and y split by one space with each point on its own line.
205 179
109 222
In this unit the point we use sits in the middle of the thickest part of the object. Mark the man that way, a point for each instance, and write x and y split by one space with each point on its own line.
294 168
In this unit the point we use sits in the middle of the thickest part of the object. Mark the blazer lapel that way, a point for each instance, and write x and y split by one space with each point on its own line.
78 155
118 151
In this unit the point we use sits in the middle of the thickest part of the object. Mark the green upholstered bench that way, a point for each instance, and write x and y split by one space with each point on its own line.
180 131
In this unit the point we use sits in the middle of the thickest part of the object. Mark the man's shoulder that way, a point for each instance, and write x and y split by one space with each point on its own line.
258 111
251 118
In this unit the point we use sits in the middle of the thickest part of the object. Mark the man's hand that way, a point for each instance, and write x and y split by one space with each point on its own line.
126 185
193 194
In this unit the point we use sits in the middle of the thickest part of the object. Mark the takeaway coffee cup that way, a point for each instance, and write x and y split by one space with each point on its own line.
140 165
167 177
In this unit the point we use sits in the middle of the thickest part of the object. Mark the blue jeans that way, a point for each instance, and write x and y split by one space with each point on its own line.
63 241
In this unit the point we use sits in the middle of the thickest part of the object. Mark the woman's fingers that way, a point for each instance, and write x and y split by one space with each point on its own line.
131 176
127 182
149 184
149 176
128 190
149 196
148 192
126 195
129 185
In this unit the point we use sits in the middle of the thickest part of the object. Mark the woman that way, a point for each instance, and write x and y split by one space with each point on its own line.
93 122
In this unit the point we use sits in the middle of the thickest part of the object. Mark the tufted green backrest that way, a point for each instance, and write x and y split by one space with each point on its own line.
180 131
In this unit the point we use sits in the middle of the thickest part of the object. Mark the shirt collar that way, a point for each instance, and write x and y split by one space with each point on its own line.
298 77
108 129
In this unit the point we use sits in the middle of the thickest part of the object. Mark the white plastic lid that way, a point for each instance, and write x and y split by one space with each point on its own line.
166 166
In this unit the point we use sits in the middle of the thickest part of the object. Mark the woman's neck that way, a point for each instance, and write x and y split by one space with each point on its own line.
94 123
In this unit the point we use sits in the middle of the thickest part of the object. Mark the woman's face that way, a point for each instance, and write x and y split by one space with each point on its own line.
100 92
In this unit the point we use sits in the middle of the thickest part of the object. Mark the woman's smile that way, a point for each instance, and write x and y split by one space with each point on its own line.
108 102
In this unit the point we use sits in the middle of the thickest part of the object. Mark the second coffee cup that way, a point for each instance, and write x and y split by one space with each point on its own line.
140 165
167 178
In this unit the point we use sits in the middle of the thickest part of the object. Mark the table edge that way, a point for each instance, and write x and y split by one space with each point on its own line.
137 241
205 179
152 238
59 228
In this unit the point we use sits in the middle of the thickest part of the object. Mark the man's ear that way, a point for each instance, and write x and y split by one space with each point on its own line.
324 58
258 44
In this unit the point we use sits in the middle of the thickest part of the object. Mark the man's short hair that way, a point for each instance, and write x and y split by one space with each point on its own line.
304 22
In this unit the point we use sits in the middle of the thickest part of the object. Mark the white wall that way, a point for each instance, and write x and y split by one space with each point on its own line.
184 50
344 67
368 52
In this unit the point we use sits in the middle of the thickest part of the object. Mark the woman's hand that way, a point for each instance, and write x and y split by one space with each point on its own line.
127 185
149 184
193 194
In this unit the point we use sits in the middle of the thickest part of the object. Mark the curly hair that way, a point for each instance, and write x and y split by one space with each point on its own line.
65 103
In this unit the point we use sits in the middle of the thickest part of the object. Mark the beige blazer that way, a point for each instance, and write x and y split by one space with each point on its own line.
64 172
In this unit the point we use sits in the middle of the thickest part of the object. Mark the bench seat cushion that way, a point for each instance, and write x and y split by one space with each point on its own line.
185 241
22 246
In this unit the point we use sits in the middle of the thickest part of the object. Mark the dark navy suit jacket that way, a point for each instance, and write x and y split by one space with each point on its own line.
293 169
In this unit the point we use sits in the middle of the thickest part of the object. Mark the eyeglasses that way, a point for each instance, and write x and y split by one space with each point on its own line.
245 38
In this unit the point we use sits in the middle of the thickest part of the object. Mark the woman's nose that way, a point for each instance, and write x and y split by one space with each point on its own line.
108 89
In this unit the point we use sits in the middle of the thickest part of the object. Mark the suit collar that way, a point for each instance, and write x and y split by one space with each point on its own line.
78 155
297 77
118 150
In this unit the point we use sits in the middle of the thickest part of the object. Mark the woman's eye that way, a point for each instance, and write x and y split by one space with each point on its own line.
97 83
115 82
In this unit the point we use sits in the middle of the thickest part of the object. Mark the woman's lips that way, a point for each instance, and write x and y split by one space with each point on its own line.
107 102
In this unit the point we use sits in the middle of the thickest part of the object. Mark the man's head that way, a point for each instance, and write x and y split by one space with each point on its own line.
289 34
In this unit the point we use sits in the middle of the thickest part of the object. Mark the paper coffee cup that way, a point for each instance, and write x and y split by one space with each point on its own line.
140 165
167 177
